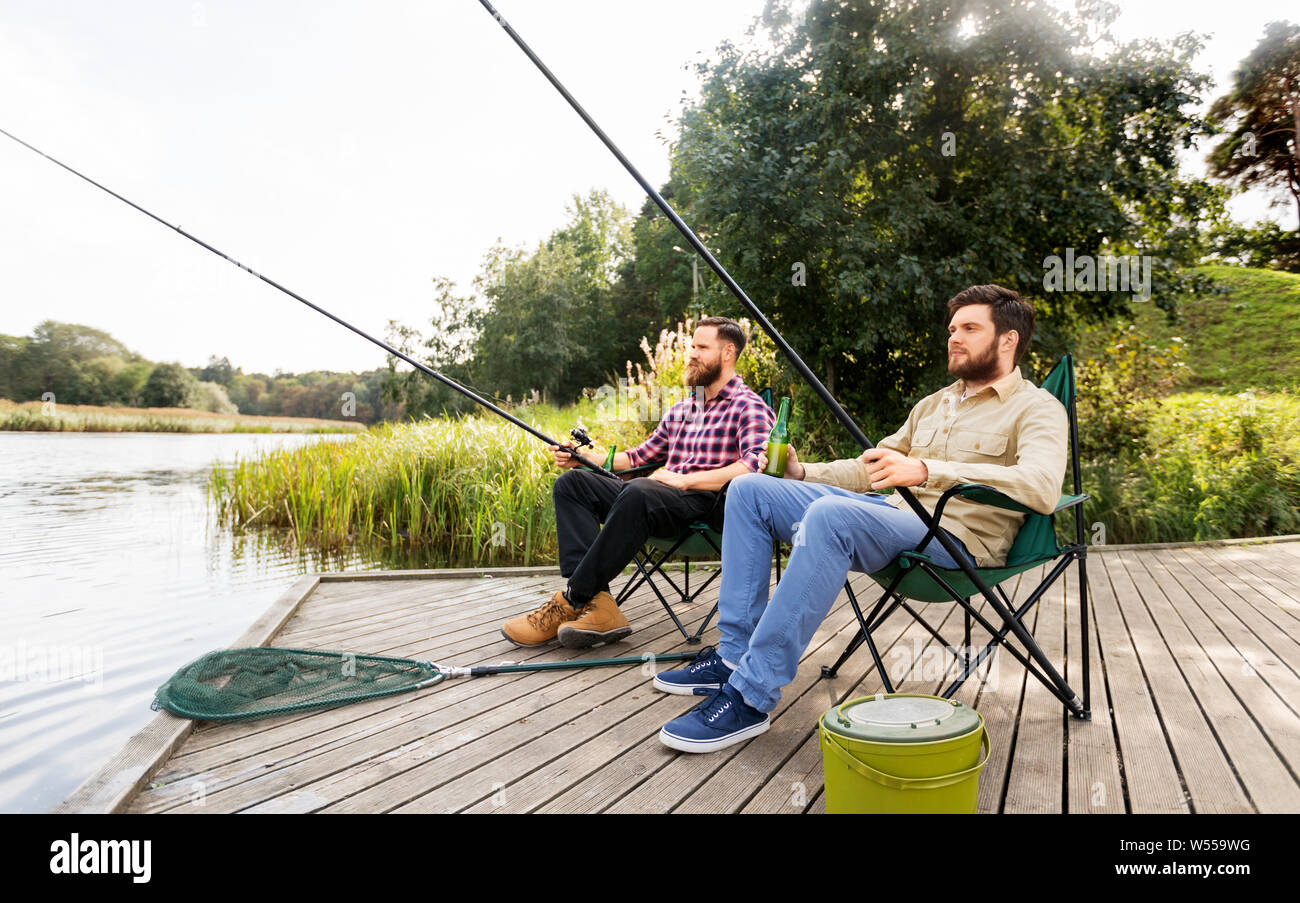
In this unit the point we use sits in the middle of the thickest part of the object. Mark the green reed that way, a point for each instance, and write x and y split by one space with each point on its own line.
474 489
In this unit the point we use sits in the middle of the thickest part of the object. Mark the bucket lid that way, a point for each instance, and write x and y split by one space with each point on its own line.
901 718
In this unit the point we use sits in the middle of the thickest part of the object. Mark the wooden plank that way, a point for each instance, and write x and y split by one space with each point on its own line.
998 696
476 607
1093 781
1258 728
1281 571
1203 770
1177 669
1282 626
1279 650
1035 780
794 784
485 735
1282 597
1149 777
558 742
527 790
112 787
466 641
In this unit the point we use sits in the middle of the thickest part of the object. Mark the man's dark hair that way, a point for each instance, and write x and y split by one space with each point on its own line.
1008 309
728 331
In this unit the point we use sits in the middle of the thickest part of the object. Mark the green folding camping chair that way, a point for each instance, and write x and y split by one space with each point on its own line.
698 541
914 576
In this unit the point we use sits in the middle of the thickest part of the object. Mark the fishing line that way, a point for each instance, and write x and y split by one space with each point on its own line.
451 383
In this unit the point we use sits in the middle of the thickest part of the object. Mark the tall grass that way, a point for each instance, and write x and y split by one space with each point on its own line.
473 489
1215 467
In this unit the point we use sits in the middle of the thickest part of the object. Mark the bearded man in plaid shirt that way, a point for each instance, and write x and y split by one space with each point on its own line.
704 441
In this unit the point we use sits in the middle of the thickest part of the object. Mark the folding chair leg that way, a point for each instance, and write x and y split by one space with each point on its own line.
863 635
966 640
852 647
1083 631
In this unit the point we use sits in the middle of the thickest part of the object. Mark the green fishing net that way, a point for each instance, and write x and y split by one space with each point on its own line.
242 684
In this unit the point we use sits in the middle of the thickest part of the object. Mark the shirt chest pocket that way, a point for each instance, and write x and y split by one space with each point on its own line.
979 447
922 441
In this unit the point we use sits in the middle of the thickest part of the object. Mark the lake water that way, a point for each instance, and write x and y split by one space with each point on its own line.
113 574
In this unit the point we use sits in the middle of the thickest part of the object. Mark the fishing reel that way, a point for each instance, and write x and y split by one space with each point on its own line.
582 438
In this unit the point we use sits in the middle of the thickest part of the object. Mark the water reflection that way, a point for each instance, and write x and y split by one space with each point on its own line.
114 573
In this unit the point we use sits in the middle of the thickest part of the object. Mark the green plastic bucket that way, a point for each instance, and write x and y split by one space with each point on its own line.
902 753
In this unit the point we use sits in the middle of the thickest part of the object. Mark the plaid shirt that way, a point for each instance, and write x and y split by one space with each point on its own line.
733 426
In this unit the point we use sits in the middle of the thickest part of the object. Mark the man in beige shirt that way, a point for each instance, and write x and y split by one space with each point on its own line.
992 426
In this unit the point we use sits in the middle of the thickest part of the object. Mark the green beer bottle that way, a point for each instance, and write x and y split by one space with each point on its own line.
778 444
609 458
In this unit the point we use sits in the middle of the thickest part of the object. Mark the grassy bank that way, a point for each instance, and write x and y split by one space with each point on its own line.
36 415
1241 338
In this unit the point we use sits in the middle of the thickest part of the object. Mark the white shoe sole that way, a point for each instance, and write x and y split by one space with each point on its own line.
682 689
703 746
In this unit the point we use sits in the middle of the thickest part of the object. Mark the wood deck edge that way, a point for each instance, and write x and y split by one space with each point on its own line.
113 786
456 573
437 574
1201 544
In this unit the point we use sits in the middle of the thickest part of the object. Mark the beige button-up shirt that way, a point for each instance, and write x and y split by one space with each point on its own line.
1011 435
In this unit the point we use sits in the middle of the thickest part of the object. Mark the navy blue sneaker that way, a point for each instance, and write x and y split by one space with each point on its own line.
722 720
706 672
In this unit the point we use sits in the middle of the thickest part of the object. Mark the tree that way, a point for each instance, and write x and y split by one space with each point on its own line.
218 370
553 320
169 386
886 155
1263 108
543 325
13 381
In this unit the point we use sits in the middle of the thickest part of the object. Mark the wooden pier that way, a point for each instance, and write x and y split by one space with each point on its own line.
1195 697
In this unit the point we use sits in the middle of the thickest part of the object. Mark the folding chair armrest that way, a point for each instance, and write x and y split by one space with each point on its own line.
1069 501
987 495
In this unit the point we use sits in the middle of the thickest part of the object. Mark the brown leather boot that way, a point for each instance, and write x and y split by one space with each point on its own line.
599 621
538 627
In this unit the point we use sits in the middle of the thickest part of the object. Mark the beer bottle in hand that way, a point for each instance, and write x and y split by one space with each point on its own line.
778 443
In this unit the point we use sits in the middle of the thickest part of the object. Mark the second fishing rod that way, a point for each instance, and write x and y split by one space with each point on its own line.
941 536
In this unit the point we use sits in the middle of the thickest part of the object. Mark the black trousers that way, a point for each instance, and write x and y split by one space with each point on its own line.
631 511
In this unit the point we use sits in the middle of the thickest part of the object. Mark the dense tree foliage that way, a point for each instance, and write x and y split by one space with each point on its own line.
886 155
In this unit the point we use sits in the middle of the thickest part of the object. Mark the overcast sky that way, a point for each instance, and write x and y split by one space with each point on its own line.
350 151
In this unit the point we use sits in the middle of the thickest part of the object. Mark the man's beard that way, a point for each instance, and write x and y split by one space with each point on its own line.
704 375
975 369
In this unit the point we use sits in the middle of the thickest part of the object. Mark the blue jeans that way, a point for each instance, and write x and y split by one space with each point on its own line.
832 531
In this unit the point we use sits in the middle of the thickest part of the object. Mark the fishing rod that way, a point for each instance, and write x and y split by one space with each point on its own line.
948 544
451 383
